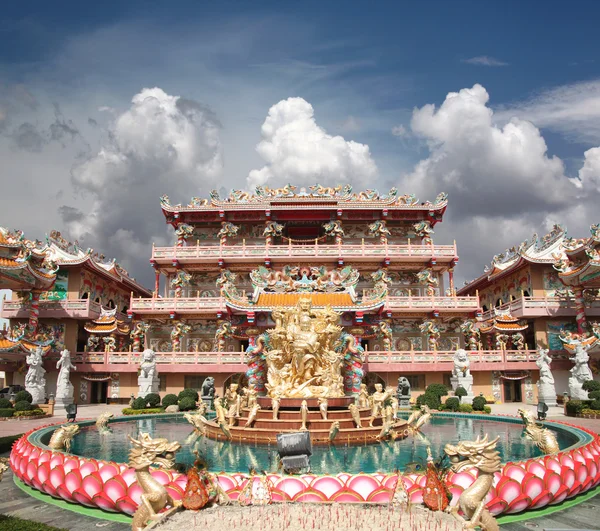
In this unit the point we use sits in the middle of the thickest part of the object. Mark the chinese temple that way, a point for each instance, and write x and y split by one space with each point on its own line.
547 288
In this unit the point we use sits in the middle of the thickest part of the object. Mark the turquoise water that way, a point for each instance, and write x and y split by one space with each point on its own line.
384 457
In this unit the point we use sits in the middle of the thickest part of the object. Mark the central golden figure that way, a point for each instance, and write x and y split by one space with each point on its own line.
302 359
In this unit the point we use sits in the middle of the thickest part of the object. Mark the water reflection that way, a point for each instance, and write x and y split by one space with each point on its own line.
385 457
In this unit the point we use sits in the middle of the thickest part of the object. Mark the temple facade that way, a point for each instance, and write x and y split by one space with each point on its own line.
238 262
64 297
543 294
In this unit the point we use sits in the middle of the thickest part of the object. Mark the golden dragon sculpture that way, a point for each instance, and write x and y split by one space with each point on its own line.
146 452
418 418
481 454
102 422
61 438
543 438
4 466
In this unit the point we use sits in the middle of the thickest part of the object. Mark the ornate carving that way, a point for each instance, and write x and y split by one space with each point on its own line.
379 228
183 232
480 454
138 335
430 329
272 230
179 281
334 229
543 438
179 329
61 437
427 278
225 331
385 334
424 231
305 279
472 334
154 498
227 230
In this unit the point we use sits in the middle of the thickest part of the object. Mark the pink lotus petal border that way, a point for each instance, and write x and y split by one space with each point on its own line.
110 486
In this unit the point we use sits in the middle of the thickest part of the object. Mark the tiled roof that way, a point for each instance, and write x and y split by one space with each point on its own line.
291 299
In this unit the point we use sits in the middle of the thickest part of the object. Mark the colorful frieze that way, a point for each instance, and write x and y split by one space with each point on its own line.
59 289
553 330
506 290
97 288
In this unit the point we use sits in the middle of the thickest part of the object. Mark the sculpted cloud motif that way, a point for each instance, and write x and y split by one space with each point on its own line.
297 150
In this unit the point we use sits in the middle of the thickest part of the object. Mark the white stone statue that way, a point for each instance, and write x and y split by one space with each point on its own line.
148 381
35 383
580 373
64 387
546 389
461 375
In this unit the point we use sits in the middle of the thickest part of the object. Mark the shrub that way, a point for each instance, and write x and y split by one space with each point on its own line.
7 412
139 403
23 395
487 409
191 393
169 400
187 403
145 411
452 403
438 390
153 400
575 407
595 404
6 443
460 391
30 413
428 399
5 403
12 523
479 403
23 405
594 395
591 385
465 408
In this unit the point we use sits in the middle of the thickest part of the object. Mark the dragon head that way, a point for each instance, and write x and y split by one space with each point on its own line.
481 454
527 416
148 451
70 430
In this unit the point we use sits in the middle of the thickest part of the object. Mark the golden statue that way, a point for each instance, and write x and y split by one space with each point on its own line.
480 454
305 355
146 452
544 439
61 438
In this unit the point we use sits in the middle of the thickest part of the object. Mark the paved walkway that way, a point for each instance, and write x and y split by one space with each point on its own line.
16 427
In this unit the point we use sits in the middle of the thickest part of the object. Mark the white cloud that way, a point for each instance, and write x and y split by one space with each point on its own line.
573 110
297 150
589 174
484 60
161 144
485 168
399 131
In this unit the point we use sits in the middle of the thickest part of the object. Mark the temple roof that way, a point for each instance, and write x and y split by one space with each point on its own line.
578 260
318 299
107 323
313 197
504 322
533 251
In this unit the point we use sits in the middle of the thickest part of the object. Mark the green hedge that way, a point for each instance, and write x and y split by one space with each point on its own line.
187 403
23 395
465 408
5 403
30 413
12 523
437 389
7 442
591 386
428 399
7 412
170 400
23 405
479 403
152 399
145 411
452 403
139 403
575 407
191 393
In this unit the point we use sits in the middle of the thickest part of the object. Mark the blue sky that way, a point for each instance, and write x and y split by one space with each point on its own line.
69 72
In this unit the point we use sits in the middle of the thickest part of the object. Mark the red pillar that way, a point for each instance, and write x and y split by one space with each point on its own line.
34 312
451 281
580 310
156 283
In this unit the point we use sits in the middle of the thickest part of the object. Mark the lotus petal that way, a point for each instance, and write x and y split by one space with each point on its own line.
327 485
49 489
567 461
175 491
515 472
291 486
226 482
462 479
544 498
115 488
62 491
560 495
496 506
310 497
92 484
582 473
108 471
347 497
553 464
536 468
161 476
56 460
44 457
71 463
135 492
552 482
519 504
81 497
363 485
43 472
87 467
105 503
57 476
568 477
129 476
533 487
382 495
416 496
126 505
509 491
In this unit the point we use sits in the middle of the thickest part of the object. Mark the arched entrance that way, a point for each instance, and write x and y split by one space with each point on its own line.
238 378
371 379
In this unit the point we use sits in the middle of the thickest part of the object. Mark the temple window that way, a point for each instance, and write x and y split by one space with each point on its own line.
98 300
111 303
526 293
498 303
485 308
85 296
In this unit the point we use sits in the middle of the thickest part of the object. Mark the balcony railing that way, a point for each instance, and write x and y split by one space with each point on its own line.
543 306
210 304
72 308
374 358
309 251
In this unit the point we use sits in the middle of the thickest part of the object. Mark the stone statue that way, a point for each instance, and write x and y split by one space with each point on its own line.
305 352
378 398
363 397
148 381
35 383
208 387
580 373
545 385
403 392
64 387
461 375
